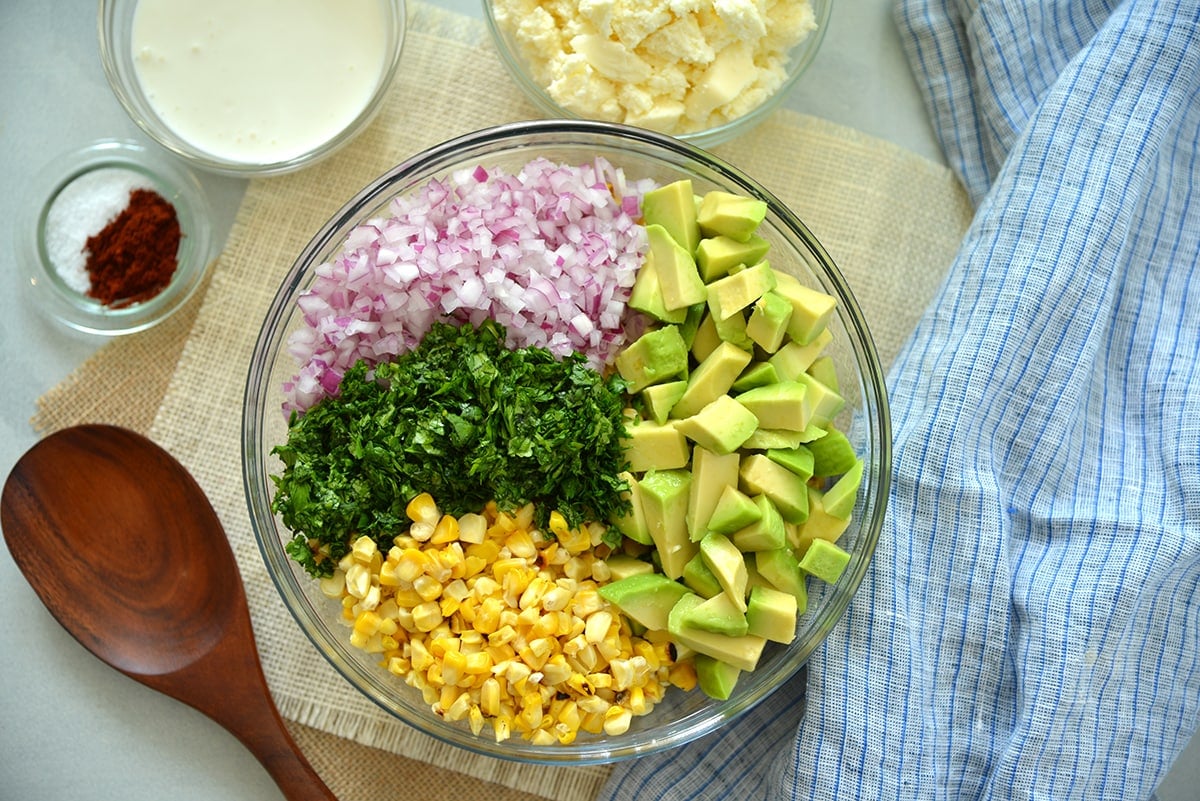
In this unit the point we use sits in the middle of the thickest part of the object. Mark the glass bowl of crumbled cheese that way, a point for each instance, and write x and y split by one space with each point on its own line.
563 442
700 70
117 238
251 87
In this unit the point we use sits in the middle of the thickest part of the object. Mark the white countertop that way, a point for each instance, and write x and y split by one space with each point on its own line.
71 727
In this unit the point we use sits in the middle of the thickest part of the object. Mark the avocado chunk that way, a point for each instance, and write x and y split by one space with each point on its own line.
734 510
711 474
716 678
700 579
832 454
622 566
758 475
721 426
650 446
727 214
824 560
839 499
706 339
798 459
768 321
732 329
811 309
781 570
764 439
678 279
758 374
659 399
717 255
765 534
824 370
719 615
664 501
820 402
778 405
633 523
733 293
646 598
792 360
728 565
771 614
712 378
741 652
656 356
819 525
646 294
673 206
692 318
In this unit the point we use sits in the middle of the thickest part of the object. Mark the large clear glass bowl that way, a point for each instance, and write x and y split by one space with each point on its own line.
683 716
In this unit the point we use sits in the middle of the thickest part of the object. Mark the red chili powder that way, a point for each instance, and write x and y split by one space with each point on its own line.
133 258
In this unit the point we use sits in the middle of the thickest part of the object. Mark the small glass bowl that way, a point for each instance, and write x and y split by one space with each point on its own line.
682 716
798 60
117 57
66 303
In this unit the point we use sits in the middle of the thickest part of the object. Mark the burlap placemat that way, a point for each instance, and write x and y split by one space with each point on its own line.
890 219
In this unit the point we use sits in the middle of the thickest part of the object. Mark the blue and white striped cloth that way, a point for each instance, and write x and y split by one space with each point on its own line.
1030 628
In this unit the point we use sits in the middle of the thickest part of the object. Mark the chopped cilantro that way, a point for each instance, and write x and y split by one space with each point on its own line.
461 417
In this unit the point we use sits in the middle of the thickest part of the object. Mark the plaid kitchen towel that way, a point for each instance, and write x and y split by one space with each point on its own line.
1030 627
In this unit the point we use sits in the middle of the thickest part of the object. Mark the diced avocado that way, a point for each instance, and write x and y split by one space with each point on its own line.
824 370
650 446
707 337
792 360
733 330
798 459
678 279
721 426
821 402
820 525
633 523
782 570
727 214
758 374
716 678
717 255
740 652
758 475
768 321
712 378
778 405
767 438
660 398
832 454
697 576
824 560
727 564
622 565
771 614
646 294
673 206
734 510
664 501
717 614
656 356
811 309
729 295
646 598
765 534
711 474
839 499
691 323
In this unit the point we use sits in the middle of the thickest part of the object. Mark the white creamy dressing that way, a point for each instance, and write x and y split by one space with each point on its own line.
259 80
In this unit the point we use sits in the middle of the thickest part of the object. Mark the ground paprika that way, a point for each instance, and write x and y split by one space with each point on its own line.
133 258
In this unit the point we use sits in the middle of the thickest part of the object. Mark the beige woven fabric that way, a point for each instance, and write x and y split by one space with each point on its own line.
890 219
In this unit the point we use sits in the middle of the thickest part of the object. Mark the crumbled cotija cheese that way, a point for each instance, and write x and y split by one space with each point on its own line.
671 65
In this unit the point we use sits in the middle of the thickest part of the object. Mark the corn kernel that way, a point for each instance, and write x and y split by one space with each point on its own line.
617 720
427 616
422 509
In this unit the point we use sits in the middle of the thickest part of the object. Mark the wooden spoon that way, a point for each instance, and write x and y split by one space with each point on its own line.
124 549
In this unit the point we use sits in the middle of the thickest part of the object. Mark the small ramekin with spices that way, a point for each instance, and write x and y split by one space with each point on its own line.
117 238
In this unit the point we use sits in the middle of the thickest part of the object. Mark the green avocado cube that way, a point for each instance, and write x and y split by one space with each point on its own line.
832 454
706 339
798 459
733 330
699 578
650 446
646 598
659 399
633 522
734 510
781 570
824 370
656 356
771 614
717 614
792 360
711 379
622 565
726 214
767 438
721 426
646 295
678 278
737 291
811 308
758 475
715 678
741 652
778 405
758 374
673 206
711 474
820 525
768 321
717 255
664 501
824 560
765 534
839 499
821 403
728 565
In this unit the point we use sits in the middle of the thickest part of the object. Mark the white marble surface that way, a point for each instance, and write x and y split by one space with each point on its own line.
70 727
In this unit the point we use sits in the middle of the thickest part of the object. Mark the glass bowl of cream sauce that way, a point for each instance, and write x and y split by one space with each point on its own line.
251 87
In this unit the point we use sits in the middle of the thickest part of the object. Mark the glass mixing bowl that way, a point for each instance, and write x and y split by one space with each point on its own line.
682 716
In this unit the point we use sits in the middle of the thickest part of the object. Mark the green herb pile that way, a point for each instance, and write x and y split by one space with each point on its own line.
463 418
